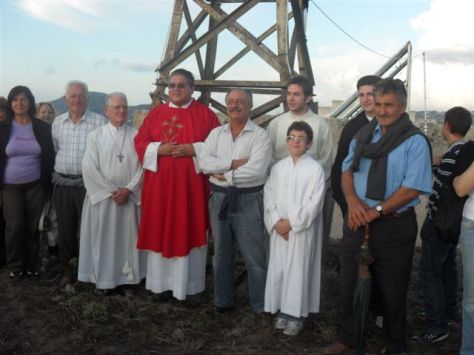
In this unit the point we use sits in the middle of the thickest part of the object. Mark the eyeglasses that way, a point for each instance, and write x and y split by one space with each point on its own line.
118 107
180 86
296 139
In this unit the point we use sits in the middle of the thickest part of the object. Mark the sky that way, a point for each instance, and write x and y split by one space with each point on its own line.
116 45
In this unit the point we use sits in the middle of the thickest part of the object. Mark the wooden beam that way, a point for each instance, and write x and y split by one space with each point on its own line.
239 83
245 36
192 34
220 26
187 34
244 51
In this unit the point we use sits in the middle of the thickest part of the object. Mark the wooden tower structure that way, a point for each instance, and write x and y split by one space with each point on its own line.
198 28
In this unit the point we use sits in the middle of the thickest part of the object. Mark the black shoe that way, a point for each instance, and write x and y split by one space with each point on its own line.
220 309
430 337
16 274
422 316
32 273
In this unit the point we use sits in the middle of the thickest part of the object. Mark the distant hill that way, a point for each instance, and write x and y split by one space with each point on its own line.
96 104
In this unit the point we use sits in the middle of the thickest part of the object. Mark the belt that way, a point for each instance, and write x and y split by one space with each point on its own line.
229 203
398 214
70 176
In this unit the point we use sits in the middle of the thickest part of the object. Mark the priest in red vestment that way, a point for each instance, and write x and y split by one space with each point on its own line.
175 216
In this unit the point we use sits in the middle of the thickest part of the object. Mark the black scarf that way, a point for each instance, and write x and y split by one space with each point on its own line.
396 133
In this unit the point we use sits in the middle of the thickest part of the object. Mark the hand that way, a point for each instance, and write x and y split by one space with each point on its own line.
183 150
437 160
357 212
166 148
219 177
120 196
237 163
283 227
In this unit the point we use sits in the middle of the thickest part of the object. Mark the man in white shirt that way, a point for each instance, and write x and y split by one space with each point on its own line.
237 156
69 132
299 95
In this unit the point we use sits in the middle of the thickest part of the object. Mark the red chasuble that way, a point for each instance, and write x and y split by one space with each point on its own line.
175 215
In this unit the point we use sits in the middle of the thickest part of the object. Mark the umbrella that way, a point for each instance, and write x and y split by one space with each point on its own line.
362 289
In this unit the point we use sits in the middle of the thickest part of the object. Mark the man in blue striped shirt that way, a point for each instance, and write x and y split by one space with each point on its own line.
438 270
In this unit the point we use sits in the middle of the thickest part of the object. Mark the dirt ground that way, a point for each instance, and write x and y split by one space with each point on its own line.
37 317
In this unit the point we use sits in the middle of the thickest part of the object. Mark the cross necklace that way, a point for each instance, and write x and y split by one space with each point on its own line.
119 156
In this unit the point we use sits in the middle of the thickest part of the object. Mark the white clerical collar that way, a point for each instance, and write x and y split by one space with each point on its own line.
369 117
114 128
186 105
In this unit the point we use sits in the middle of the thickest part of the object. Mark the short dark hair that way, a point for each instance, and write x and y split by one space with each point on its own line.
303 82
17 90
368 80
301 126
186 73
459 120
391 86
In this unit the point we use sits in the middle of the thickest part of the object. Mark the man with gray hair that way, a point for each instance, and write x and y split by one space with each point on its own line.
112 176
69 132
388 167
237 156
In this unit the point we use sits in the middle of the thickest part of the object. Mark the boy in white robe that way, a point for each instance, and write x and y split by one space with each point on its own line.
112 175
293 200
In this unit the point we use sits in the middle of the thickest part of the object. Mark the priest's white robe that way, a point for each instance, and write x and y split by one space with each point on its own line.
295 191
108 255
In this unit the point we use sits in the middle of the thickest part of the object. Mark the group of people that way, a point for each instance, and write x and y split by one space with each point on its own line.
134 204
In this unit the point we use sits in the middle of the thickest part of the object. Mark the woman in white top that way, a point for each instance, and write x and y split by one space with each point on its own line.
464 185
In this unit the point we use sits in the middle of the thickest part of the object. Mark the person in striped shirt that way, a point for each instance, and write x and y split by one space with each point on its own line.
438 270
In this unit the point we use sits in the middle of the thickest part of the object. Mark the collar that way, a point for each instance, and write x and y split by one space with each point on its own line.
121 128
249 126
186 105
66 116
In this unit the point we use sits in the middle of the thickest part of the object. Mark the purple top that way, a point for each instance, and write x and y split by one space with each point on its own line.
23 156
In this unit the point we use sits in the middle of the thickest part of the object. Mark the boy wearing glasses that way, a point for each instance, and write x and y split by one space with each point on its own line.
293 201
299 94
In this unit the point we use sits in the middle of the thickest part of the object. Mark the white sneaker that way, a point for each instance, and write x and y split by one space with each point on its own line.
280 323
379 322
293 328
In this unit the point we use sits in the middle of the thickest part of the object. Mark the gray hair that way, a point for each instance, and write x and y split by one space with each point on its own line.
248 95
82 84
115 94
392 86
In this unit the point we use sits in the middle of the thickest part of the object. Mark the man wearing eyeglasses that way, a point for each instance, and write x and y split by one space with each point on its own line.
69 132
299 93
175 217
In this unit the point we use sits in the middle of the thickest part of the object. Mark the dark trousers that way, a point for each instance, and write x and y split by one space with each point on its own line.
3 255
392 241
438 276
68 201
22 207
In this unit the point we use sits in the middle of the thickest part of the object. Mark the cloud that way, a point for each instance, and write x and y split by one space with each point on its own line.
137 66
446 32
452 55
74 15
49 70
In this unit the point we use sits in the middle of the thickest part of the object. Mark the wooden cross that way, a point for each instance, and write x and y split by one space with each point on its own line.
120 157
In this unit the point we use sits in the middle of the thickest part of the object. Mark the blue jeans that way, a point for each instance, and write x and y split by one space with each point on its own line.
438 276
246 229
467 249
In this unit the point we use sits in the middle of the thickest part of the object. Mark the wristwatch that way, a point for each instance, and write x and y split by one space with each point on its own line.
379 209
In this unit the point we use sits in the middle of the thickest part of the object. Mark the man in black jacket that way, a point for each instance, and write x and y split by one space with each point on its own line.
365 88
